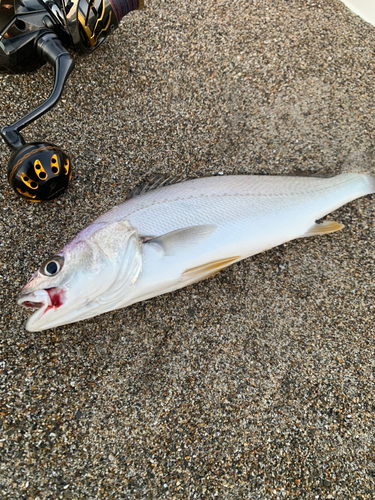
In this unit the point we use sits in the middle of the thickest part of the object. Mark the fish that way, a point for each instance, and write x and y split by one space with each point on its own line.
166 238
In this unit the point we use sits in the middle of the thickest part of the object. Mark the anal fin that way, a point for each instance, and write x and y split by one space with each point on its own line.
327 226
204 271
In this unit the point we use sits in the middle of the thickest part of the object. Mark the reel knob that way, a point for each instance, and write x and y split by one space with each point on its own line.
39 171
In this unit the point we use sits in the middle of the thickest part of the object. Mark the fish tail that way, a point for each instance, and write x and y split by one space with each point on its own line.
363 184
371 182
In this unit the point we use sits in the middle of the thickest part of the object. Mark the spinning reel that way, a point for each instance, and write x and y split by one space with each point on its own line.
35 32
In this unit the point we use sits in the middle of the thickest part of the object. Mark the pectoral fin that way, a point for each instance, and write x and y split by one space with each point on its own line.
327 226
171 242
206 270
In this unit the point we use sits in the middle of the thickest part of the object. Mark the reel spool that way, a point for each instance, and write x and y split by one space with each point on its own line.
35 32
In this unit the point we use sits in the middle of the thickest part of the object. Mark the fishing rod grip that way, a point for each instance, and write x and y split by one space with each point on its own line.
122 7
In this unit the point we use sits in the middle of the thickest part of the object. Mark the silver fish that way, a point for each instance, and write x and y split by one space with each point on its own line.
170 237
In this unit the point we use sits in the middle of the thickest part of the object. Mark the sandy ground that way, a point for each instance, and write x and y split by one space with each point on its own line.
257 383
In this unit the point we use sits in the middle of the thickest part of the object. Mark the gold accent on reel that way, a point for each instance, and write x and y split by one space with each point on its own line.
28 195
66 166
55 165
29 182
39 170
93 36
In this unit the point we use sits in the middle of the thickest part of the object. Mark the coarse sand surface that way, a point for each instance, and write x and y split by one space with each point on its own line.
257 383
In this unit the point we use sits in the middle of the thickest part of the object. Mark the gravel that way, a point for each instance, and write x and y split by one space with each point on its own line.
257 383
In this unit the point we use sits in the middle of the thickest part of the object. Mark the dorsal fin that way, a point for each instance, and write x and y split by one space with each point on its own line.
156 182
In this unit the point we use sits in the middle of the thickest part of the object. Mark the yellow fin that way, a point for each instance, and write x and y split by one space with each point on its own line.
327 226
206 270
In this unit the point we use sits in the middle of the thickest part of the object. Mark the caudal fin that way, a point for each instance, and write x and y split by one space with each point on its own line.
369 180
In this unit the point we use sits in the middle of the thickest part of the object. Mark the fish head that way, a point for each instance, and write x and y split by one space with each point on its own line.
88 276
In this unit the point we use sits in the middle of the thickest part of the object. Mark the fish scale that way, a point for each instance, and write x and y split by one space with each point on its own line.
167 208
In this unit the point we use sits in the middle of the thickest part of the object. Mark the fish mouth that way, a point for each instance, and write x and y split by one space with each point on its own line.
43 301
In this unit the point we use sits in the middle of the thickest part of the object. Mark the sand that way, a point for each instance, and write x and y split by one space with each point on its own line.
257 383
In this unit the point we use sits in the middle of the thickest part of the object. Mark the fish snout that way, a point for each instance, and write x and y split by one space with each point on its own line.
30 283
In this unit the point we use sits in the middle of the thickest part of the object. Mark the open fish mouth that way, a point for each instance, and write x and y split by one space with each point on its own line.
42 301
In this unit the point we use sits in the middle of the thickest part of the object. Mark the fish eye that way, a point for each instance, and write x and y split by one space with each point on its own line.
52 266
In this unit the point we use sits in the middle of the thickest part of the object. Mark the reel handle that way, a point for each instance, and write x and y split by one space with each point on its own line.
50 49
41 171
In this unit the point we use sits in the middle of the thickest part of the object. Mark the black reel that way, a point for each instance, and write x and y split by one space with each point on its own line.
35 32
39 171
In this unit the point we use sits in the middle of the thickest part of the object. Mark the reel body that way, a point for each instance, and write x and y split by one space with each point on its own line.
35 32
